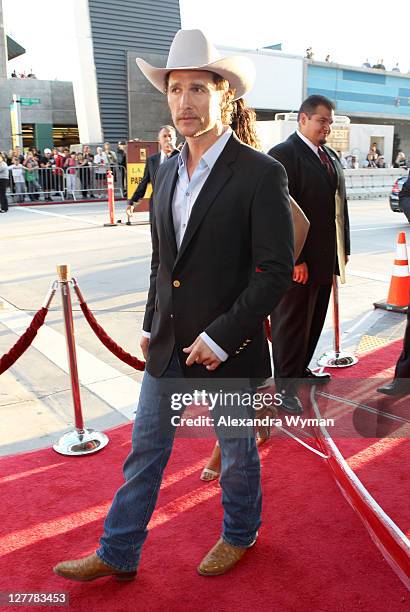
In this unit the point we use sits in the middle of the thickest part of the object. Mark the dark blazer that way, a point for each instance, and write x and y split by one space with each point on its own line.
314 190
234 264
150 172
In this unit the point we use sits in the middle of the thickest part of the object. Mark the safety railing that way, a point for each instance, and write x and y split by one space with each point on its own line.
90 181
38 184
366 183
85 182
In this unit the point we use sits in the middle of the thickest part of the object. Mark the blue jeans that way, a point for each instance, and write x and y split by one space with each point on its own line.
125 527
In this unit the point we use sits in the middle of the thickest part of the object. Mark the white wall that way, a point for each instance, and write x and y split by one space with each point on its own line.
271 133
361 136
85 79
279 78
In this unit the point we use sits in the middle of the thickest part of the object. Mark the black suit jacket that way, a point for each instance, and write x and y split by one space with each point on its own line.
233 266
150 172
314 190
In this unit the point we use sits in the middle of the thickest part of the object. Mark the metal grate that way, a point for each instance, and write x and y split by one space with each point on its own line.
369 343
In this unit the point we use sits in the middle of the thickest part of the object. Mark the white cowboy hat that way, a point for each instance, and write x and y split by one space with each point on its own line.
191 50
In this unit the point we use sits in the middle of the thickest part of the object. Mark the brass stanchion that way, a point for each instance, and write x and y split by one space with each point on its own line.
336 358
81 441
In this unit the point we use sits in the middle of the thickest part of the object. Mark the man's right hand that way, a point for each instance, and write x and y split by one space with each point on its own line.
130 208
144 344
301 273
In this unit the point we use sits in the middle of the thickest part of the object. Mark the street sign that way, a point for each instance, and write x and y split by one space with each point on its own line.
29 101
15 118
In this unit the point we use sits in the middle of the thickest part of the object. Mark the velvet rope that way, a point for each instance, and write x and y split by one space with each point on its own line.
112 346
24 341
268 329
108 342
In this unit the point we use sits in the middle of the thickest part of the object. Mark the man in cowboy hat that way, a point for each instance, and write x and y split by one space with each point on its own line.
222 259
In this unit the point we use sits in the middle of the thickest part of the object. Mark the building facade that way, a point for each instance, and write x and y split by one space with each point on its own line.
47 108
121 30
114 101
366 95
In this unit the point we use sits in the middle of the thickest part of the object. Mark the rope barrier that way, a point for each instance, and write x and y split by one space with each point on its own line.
102 335
111 345
24 341
27 338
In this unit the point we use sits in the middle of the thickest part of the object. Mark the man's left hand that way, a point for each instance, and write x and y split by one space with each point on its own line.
199 352
346 259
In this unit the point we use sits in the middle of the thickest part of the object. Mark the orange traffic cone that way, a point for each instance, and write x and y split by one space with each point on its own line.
399 292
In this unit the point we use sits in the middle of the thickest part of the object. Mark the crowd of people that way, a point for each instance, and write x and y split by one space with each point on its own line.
36 174
22 75
379 65
373 159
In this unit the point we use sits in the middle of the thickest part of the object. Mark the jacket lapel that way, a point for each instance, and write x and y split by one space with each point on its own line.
155 162
219 175
312 157
165 194
153 165
339 213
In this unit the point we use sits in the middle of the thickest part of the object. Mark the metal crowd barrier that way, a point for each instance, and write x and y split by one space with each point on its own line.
366 183
90 181
47 183
59 184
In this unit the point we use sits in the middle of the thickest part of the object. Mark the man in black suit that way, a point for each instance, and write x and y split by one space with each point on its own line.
316 182
167 141
222 259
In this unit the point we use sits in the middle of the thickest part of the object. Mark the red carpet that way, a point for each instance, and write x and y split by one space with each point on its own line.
313 553
382 462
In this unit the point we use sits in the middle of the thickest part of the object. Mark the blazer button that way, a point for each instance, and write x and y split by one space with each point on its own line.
176 283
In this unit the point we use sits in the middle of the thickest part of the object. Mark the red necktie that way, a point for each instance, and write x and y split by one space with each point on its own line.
326 162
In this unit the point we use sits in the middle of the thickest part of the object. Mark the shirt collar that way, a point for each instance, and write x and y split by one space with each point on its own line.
210 157
310 144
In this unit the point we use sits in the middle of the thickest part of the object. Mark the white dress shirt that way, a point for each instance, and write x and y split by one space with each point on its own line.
314 148
185 195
